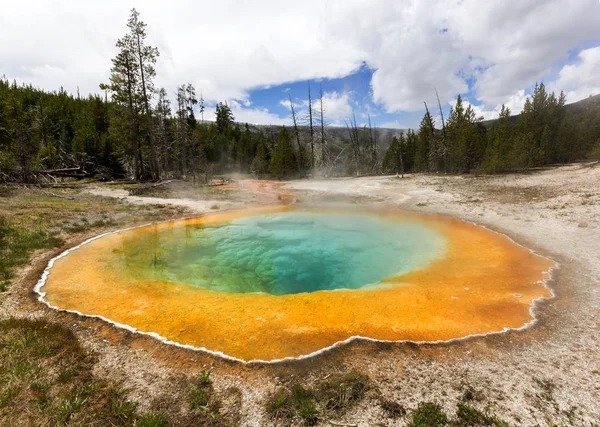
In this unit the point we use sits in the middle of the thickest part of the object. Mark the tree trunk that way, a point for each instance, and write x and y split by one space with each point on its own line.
134 129
322 130
155 171
312 133
444 140
42 120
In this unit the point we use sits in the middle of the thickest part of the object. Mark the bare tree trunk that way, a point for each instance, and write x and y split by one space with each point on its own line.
137 161
312 132
322 112
373 146
21 141
181 136
42 120
295 122
444 140
354 142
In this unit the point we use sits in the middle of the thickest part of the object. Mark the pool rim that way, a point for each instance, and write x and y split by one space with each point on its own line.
41 297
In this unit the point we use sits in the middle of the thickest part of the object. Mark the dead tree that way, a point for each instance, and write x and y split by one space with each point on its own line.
21 139
296 132
312 131
322 113
354 142
444 140
372 145
42 120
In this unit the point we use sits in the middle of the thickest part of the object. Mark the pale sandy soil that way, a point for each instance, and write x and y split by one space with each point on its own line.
200 206
546 375
556 212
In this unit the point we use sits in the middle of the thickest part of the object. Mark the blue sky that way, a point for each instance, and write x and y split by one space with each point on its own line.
378 57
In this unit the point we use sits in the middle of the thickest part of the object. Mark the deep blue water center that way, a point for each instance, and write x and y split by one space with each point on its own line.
285 253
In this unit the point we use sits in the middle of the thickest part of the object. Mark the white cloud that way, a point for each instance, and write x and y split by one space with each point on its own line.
227 48
579 80
244 113
515 104
337 107
502 46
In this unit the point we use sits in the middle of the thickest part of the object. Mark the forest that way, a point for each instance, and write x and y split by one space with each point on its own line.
133 131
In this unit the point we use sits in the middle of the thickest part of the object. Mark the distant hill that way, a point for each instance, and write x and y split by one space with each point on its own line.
575 108
334 134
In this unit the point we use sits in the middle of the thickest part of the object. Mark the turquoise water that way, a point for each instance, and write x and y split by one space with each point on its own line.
285 253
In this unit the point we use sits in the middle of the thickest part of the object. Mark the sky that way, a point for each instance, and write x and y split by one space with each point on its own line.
375 58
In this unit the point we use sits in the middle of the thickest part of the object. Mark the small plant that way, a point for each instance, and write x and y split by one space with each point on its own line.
298 402
308 411
304 403
71 405
342 391
278 405
152 420
393 409
201 395
204 378
41 393
468 416
428 414
119 410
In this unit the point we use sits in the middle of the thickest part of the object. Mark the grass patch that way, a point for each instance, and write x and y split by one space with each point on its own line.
204 401
330 397
34 390
469 416
299 402
341 392
428 414
152 420
16 245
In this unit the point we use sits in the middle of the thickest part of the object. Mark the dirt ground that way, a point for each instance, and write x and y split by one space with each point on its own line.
548 374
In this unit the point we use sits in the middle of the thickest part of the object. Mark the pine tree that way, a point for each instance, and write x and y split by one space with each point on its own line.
393 160
283 162
462 138
260 164
425 159
499 145
224 117
146 58
124 81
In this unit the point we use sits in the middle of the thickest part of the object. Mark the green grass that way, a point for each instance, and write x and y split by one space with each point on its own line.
16 245
340 392
152 420
327 398
204 401
34 390
469 416
298 402
428 414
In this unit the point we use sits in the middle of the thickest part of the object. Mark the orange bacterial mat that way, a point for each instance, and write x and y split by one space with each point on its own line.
482 283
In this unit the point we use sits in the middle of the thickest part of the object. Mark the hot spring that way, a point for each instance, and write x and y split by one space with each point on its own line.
272 283
279 254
